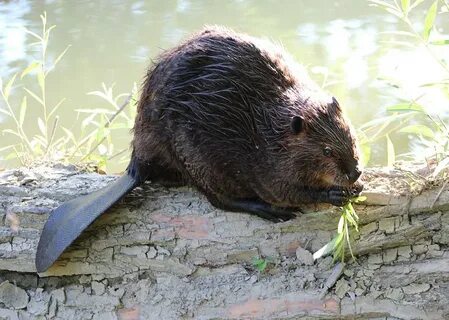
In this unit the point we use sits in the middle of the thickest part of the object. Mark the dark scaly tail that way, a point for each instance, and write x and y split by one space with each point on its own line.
70 219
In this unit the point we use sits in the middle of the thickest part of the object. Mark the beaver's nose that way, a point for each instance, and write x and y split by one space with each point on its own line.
355 174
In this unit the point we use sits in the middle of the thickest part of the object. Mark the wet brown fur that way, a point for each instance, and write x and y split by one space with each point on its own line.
216 112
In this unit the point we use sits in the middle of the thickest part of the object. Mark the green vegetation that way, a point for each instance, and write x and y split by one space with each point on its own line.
408 117
92 145
348 221
260 264
412 117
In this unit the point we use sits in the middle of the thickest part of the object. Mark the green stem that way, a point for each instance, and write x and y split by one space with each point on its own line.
44 43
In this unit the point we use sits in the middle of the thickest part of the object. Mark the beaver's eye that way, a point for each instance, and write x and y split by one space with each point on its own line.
327 151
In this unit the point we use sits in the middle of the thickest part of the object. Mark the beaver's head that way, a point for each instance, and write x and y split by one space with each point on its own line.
326 145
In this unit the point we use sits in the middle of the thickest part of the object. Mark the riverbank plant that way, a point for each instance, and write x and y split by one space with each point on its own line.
425 125
47 140
428 129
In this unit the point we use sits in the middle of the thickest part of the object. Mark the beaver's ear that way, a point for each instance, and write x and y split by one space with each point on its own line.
334 106
297 124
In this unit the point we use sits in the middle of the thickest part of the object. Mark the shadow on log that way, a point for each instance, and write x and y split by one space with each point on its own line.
168 254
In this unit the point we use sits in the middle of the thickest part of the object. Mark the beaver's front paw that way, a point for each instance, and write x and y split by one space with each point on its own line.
338 196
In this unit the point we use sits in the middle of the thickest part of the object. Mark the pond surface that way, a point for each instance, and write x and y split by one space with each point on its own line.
342 43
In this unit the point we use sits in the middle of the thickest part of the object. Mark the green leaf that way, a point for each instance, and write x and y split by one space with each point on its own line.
6 148
34 34
405 107
390 152
88 120
440 42
439 83
96 111
340 224
325 250
31 93
12 155
56 107
33 65
395 12
61 55
351 220
41 126
338 240
405 6
120 126
351 209
69 134
6 112
399 33
44 18
418 129
8 86
348 241
398 43
430 19
49 30
260 264
12 132
23 108
359 199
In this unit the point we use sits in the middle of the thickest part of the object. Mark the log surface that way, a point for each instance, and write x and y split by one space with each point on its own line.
168 254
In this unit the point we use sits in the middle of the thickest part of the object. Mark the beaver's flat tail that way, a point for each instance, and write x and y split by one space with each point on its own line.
71 218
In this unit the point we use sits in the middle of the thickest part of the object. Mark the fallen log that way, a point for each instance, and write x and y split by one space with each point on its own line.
168 254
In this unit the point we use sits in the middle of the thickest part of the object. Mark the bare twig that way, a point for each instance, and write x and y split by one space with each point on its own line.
118 153
439 194
119 110
52 135
332 279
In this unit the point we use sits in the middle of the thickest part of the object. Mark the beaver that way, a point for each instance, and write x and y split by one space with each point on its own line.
237 118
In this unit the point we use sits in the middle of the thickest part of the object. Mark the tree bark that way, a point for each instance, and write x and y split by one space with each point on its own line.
168 254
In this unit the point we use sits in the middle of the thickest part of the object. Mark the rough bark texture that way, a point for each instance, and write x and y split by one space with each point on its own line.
168 254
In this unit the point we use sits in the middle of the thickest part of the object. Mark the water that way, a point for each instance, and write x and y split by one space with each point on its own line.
113 42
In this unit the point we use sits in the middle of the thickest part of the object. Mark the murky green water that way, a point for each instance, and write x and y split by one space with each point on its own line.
113 42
